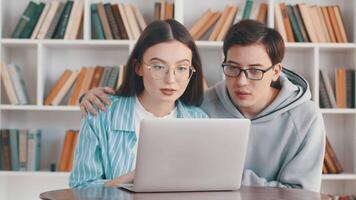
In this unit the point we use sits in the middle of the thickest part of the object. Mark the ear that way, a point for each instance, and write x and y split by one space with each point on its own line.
277 71
138 68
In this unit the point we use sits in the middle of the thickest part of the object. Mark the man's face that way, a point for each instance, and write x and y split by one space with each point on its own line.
251 95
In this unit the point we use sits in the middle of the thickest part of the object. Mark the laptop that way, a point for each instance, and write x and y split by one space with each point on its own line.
190 155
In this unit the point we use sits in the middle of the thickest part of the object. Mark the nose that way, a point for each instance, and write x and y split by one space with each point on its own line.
241 79
170 76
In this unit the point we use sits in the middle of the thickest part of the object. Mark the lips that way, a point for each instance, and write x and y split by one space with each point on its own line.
242 94
168 92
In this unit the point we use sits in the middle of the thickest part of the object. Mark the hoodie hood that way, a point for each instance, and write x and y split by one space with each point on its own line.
294 91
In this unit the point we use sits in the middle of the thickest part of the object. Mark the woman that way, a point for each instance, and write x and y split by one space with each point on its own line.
163 79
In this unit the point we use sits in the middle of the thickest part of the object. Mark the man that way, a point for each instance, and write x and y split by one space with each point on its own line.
287 137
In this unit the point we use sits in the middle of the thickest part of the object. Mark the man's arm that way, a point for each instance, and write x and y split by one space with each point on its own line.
304 169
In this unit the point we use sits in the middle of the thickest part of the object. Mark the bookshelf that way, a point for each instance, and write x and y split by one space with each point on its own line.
43 61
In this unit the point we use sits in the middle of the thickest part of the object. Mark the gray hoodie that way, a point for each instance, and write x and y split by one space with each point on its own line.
287 139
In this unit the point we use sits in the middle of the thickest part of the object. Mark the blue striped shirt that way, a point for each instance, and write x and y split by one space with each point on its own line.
105 148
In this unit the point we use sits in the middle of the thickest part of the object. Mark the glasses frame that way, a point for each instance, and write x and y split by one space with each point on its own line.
246 70
149 67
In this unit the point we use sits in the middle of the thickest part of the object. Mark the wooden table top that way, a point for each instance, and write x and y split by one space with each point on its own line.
245 193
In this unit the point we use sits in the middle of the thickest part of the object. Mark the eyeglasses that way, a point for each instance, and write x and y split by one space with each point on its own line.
159 70
250 73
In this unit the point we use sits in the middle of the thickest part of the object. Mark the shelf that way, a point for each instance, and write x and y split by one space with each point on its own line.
39 108
320 45
341 177
34 173
338 111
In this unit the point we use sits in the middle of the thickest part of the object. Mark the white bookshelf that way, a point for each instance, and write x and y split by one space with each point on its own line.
43 61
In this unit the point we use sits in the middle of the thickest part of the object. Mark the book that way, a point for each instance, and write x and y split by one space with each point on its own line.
329 89
50 20
140 19
229 19
40 21
64 158
340 87
25 19
8 85
65 88
134 27
334 24
23 149
18 83
6 152
328 24
213 36
325 101
26 33
73 100
63 21
303 8
301 24
286 22
208 25
111 19
14 149
97 28
120 22
279 22
104 21
200 23
57 86
295 26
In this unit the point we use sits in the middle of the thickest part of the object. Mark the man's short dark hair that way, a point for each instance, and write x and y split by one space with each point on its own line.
250 32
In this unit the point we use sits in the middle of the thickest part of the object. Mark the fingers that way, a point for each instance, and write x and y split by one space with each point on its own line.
102 96
89 107
97 102
109 90
83 110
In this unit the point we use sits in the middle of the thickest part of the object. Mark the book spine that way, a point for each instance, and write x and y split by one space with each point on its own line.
33 20
113 25
14 146
98 32
24 19
63 22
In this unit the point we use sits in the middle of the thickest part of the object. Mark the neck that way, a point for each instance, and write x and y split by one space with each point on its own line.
253 111
158 109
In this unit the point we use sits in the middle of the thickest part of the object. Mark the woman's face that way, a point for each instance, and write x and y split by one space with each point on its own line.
165 71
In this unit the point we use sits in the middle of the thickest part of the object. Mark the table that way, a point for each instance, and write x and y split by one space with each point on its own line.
244 193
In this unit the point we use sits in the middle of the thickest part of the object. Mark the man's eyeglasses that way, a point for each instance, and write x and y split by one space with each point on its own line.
158 71
250 73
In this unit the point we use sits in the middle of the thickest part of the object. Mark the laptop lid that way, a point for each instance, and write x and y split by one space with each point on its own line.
191 154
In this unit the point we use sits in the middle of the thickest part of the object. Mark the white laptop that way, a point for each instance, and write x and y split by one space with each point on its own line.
190 155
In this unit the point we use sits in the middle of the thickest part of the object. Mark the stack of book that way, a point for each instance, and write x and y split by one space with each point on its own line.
53 20
221 21
344 96
14 84
331 163
68 150
80 82
164 10
310 23
116 21
20 150
343 197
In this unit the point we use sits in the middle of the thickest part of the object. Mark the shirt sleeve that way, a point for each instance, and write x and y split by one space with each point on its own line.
88 167
304 170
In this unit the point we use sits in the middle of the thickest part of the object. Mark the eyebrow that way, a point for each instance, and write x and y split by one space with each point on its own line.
250 65
183 60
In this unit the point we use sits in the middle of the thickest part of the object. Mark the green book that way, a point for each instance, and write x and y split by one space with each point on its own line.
26 33
293 19
247 10
97 28
63 21
25 19
1 153
14 149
